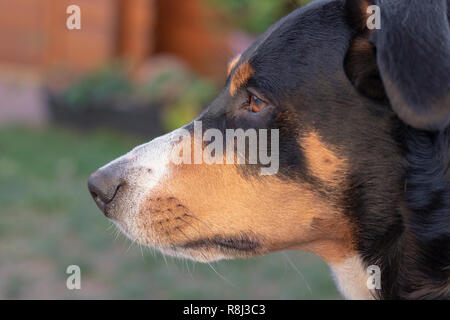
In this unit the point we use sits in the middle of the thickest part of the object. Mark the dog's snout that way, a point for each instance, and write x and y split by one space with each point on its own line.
103 186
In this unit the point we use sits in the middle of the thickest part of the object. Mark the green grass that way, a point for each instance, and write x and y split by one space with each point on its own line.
48 221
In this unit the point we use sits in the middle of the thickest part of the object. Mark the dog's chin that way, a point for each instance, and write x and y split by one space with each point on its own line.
204 255
198 250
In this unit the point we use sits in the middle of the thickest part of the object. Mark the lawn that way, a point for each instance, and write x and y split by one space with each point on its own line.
48 222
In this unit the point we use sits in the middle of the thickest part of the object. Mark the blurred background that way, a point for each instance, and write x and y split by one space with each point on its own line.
72 100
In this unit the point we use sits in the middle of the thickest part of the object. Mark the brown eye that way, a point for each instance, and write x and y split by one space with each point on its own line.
256 104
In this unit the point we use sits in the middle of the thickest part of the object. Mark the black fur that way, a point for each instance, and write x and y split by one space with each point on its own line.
410 238
414 58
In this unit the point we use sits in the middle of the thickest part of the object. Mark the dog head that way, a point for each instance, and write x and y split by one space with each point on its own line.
324 98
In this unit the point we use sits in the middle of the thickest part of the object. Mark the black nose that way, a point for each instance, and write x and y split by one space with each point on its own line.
103 186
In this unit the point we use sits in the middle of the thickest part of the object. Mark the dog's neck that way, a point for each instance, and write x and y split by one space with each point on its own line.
408 240
351 279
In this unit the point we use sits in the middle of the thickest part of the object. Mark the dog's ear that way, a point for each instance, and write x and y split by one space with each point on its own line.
362 70
412 54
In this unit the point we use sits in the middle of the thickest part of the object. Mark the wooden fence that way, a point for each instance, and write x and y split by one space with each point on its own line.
33 32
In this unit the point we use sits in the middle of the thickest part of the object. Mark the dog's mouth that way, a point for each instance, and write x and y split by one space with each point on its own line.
240 243
215 248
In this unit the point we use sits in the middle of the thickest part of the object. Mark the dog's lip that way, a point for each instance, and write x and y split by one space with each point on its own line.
243 244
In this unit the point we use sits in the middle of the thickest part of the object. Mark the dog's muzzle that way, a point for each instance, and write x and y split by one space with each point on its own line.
120 187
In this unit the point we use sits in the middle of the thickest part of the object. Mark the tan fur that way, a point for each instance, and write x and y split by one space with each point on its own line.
233 63
322 161
364 4
362 46
203 201
240 77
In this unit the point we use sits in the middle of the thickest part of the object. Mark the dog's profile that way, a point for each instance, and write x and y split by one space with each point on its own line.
363 118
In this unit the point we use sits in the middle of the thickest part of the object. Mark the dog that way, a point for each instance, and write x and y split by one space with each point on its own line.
363 182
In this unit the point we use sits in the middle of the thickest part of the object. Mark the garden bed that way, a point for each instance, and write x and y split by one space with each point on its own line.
132 118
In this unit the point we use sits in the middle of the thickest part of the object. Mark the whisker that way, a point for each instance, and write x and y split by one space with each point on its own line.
297 270
210 265
133 241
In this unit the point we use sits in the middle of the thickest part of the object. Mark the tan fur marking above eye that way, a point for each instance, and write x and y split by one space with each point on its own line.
323 162
240 77
363 6
233 63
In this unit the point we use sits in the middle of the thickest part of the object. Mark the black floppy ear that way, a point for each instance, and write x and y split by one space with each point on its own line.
412 55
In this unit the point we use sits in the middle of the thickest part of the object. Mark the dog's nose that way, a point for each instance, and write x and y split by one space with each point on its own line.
103 186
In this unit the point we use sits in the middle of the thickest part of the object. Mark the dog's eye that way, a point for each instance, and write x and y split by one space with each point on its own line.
257 104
